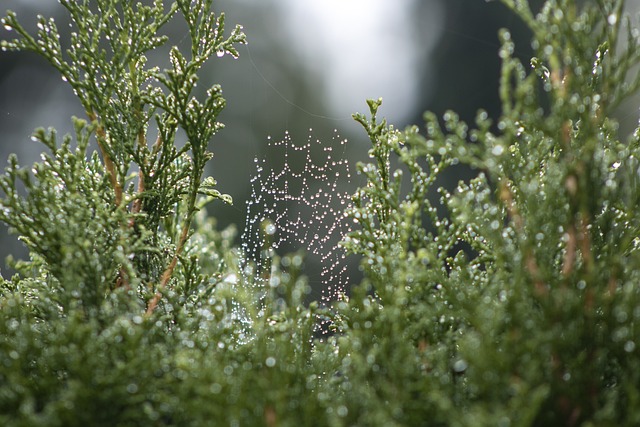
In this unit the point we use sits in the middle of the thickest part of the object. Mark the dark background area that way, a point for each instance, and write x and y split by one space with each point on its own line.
276 86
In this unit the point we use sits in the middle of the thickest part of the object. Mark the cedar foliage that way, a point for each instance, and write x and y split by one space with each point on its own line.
135 310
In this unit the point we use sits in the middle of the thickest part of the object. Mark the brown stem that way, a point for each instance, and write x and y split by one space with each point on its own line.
168 272
270 417
530 261
612 285
108 163
532 266
137 204
585 242
507 198
101 137
157 145
570 254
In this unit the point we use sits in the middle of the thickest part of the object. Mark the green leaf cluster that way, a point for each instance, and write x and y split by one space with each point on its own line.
535 322
154 183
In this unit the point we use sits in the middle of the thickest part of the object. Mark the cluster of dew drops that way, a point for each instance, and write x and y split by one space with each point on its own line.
300 205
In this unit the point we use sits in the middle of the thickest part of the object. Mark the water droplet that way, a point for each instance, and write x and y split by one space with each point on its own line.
497 150
220 52
460 365
629 346
231 278
270 362
274 281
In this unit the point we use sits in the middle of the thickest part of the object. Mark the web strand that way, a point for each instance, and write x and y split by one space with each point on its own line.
300 205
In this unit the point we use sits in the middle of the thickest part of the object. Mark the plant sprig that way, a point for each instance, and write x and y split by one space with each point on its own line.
105 63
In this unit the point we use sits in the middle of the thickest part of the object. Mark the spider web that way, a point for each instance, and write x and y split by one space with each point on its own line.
297 202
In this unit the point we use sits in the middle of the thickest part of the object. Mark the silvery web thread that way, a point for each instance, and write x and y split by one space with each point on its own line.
310 217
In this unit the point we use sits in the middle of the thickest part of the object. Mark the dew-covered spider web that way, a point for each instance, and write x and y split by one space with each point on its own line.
298 199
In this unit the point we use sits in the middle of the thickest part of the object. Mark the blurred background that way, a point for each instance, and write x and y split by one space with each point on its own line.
309 64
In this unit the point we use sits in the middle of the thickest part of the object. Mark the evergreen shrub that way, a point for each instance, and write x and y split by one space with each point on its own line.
512 300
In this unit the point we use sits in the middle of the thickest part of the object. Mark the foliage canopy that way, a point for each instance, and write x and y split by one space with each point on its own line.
512 300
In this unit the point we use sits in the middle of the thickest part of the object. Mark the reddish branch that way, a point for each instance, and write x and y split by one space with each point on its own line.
137 204
101 137
529 259
108 163
168 272
570 252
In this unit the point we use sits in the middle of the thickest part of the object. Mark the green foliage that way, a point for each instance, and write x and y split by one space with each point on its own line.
105 64
512 300
537 325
